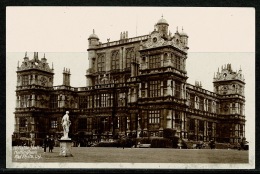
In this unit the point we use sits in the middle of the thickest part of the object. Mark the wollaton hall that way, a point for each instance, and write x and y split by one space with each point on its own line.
135 86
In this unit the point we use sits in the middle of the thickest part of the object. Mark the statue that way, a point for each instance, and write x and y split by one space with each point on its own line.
65 124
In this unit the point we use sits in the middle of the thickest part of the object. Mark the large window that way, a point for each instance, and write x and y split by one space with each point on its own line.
104 100
101 62
54 123
115 60
129 57
155 88
154 117
25 101
89 98
177 89
23 122
25 80
178 120
83 102
155 61
54 101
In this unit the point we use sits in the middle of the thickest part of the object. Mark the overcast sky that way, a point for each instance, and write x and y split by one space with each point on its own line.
217 36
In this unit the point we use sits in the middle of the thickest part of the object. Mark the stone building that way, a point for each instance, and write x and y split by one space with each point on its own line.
135 86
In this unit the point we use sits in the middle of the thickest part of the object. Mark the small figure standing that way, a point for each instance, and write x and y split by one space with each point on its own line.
46 143
66 125
51 144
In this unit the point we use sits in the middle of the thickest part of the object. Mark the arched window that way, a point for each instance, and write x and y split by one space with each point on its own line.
101 62
115 60
129 57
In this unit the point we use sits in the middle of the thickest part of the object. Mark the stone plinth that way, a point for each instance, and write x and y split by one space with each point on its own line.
65 147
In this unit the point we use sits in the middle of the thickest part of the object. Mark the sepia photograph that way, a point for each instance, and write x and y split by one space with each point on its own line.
95 87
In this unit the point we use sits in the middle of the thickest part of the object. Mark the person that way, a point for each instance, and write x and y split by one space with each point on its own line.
65 124
46 143
51 144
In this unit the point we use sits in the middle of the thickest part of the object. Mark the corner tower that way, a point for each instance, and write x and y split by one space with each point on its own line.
34 83
162 27
230 85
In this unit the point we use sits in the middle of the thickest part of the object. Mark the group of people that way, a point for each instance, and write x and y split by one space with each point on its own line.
48 142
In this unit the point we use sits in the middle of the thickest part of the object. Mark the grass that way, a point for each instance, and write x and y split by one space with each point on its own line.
141 155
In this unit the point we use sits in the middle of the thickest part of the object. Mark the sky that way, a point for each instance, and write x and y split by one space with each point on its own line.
217 36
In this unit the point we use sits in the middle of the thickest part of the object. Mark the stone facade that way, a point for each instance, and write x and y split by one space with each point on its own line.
135 86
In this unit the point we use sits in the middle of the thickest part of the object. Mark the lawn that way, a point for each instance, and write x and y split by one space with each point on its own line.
136 155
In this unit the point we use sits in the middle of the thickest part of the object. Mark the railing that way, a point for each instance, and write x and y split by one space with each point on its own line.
33 87
161 99
134 39
146 70
201 90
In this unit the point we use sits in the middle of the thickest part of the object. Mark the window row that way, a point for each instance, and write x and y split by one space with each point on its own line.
28 79
155 87
202 104
115 59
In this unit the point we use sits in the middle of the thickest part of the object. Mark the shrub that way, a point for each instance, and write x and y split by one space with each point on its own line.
156 142
107 144
169 133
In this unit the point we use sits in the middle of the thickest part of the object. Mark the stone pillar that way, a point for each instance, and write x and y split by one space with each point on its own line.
32 124
205 130
17 102
17 124
146 89
184 91
122 58
237 130
169 88
65 148
33 100
133 68
33 79
169 119
162 89
173 88
182 124
135 95
161 60
214 130
196 129
173 118
140 90
138 126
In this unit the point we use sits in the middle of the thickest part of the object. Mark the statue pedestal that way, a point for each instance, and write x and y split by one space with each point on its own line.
65 147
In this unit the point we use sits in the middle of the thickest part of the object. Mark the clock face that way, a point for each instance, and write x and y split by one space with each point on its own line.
226 108
225 88
43 81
